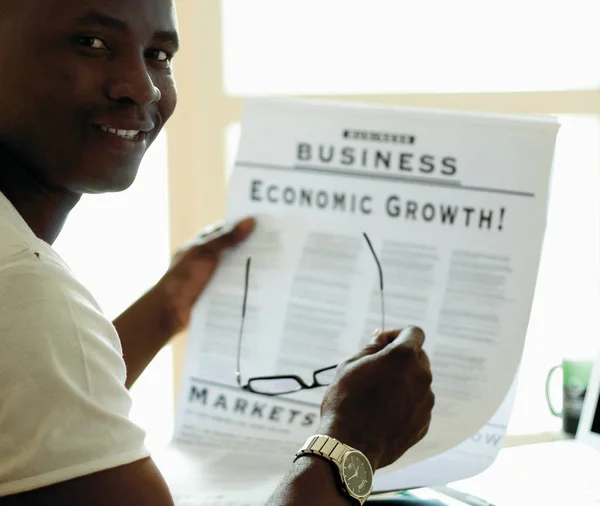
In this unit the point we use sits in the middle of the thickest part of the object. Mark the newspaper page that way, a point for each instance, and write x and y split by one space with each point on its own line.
469 458
454 205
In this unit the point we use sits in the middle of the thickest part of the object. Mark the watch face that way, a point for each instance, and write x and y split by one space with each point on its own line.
358 476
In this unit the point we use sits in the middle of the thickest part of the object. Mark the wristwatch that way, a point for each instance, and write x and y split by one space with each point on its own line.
355 471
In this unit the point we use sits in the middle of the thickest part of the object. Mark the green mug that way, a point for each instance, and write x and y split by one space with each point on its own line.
576 376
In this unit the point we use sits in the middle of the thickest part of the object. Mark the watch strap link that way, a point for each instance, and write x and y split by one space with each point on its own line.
324 446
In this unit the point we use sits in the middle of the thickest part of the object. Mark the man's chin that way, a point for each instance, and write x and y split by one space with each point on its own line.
115 181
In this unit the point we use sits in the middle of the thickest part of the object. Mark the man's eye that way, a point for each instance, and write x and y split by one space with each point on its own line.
159 55
93 42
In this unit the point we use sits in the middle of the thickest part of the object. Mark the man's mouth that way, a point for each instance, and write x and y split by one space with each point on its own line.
130 135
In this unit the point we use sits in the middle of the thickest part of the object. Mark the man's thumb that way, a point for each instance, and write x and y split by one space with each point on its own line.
379 340
411 336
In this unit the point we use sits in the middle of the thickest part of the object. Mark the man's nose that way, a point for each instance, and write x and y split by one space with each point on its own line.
131 82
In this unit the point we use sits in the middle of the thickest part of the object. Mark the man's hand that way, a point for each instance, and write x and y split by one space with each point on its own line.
192 268
380 403
166 309
381 400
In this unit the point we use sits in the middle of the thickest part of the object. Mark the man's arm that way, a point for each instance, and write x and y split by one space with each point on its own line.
136 484
141 484
144 328
311 481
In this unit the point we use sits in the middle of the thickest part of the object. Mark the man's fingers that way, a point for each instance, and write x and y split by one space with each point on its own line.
242 230
410 338
425 360
218 238
379 340
413 337
382 339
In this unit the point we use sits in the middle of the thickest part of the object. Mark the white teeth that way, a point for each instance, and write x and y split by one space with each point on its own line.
125 134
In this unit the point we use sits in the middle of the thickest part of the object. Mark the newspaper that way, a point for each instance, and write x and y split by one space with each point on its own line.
454 206
469 458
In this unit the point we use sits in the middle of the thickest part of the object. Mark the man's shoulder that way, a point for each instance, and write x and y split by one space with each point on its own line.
15 244
37 289
45 312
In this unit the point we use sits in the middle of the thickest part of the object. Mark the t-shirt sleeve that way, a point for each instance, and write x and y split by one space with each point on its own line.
64 409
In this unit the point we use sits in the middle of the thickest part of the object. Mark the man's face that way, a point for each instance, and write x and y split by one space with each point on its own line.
85 87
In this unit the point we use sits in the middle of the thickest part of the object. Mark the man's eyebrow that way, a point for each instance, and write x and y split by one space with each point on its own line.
96 18
167 37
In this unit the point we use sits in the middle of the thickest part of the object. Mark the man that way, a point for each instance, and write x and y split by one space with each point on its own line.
85 87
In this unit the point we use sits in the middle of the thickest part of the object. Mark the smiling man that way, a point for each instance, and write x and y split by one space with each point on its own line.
85 88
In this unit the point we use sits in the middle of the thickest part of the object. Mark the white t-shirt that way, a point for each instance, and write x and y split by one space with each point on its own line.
64 409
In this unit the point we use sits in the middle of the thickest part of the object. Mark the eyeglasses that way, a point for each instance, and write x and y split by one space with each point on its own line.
287 384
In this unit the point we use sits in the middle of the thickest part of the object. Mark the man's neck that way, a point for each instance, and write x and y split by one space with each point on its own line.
44 210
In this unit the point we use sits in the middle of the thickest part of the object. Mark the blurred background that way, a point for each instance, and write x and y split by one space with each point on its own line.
514 56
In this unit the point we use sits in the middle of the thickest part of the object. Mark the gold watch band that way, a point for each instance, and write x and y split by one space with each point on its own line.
325 446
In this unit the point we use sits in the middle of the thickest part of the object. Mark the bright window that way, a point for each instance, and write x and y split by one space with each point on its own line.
564 319
402 46
118 246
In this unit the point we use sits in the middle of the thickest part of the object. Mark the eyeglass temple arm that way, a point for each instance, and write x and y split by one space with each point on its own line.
238 374
323 369
380 270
